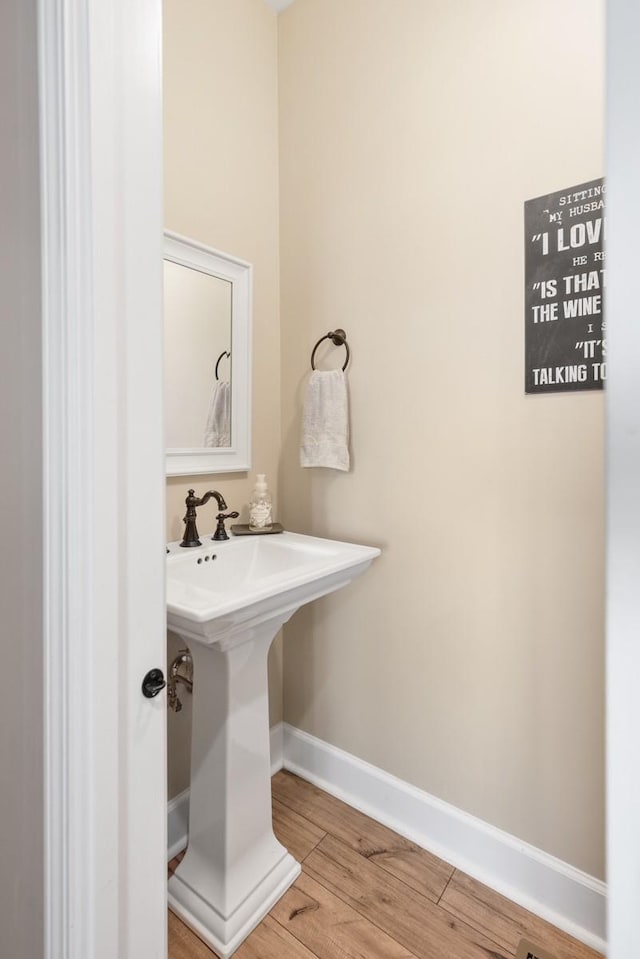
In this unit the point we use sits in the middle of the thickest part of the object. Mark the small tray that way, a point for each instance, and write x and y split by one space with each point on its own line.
242 529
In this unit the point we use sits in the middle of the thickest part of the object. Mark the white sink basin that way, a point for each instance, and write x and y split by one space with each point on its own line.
231 598
218 586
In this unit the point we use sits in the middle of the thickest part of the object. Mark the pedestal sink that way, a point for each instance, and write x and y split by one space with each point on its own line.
228 600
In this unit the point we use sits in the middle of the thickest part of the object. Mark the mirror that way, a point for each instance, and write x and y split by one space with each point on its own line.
207 332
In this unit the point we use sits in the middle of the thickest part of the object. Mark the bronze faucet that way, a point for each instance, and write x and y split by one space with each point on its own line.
191 537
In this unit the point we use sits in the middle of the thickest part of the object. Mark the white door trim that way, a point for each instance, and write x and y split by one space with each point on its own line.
67 440
623 479
103 489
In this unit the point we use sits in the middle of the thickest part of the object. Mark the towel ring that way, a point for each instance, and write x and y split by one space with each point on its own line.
338 338
224 353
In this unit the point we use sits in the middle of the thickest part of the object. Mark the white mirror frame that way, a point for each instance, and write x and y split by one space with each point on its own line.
237 457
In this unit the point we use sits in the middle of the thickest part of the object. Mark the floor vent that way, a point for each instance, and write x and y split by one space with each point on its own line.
527 950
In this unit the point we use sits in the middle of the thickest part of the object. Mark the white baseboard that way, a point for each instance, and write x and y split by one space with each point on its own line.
276 734
552 889
570 899
178 823
178 807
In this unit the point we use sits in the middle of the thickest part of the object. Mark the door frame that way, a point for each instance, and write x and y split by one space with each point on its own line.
623 480
100 90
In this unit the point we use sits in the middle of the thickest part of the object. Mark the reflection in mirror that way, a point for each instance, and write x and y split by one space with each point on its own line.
207 323
197 312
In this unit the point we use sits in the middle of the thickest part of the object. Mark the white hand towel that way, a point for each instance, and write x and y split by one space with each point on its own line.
325 421
217 432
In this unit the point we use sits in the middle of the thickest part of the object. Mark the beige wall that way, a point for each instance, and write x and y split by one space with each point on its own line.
221 188
469 660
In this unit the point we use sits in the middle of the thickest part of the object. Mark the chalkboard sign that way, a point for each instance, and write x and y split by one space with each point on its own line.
564 290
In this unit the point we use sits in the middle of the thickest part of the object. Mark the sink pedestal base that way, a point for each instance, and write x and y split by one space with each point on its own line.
225 934
234 869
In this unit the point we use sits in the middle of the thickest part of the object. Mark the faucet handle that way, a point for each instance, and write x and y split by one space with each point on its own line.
192 500
221 532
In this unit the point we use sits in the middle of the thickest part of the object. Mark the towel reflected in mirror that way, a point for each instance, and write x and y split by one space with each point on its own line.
217 431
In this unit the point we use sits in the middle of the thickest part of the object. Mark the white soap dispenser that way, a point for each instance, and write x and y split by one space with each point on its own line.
260 505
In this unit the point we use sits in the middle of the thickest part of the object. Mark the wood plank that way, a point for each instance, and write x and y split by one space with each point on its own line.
267 941
183 943
411 919
296 833
506 922
420 869
270 941
329 927
367 893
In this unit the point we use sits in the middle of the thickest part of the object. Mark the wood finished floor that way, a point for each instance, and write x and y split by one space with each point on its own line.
367 893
